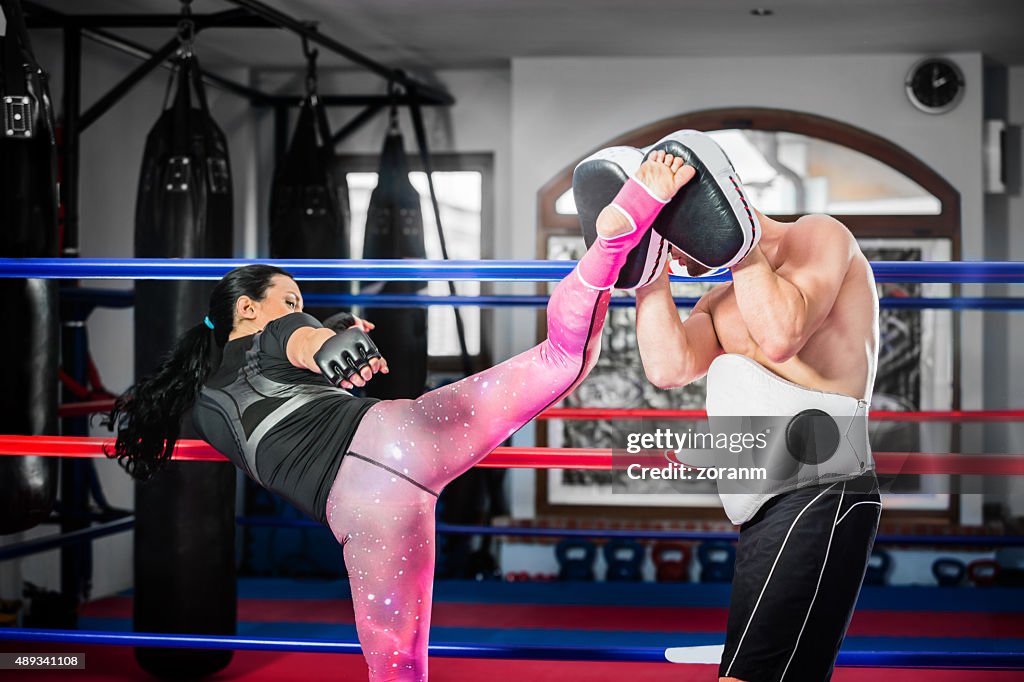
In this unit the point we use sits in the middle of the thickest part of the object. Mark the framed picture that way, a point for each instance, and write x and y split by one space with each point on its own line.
915 372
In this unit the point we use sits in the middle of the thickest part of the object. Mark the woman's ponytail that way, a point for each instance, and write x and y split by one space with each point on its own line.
148 415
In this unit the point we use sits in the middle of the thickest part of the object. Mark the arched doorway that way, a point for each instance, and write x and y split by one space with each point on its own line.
943 224
895 204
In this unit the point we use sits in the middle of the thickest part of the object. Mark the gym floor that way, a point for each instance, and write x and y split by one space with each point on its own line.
570 614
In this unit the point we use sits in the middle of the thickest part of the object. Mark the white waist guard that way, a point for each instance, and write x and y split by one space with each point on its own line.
811 437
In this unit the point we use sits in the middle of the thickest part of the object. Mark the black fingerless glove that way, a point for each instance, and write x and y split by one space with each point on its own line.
339 322
343 355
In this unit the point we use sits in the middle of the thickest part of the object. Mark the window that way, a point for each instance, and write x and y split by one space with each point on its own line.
462 183
788 173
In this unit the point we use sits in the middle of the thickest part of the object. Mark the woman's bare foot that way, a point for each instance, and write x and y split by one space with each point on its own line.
663 174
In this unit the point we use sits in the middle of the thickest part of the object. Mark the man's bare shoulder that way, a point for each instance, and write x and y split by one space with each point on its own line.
817 231
820 225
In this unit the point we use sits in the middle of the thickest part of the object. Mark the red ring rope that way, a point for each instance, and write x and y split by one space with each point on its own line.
538 458
97 406
880 415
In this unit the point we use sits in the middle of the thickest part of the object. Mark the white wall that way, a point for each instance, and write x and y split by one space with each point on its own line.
562 108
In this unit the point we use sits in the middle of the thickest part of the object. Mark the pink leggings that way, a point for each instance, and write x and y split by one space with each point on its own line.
381 506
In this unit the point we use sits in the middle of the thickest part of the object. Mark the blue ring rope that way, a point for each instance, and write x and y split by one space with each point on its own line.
637 534
964 660
43 544
963 272
114 298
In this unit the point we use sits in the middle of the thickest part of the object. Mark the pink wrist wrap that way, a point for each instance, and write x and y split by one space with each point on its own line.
600 266
638 204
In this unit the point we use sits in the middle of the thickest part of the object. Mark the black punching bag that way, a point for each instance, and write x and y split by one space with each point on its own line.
309 212
394 229
184 516
28 229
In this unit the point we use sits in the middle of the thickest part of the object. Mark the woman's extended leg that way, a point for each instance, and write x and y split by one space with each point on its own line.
440 435
405 451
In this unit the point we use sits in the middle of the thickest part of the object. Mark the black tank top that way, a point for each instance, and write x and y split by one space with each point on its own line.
284 426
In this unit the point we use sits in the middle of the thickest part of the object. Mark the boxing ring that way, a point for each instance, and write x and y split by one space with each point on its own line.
517 457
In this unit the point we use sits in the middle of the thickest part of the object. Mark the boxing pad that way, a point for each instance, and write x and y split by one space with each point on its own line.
595 183
710 218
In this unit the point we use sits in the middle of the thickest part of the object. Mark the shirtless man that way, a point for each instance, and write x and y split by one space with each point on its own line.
796 329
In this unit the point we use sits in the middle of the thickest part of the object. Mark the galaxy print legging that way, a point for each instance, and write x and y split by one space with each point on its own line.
381 506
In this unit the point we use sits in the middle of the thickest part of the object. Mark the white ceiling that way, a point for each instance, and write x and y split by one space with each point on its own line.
431 34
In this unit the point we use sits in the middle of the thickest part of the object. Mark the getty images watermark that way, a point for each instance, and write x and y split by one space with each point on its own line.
661 455
772 454
742 454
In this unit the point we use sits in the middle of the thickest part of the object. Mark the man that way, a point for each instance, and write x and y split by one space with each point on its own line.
794 334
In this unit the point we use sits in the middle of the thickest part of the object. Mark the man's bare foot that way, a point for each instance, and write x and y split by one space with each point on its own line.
663 174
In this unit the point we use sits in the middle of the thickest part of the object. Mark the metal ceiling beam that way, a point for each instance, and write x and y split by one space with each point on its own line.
52 18
130 47
233 18
428 92
250 14
354 100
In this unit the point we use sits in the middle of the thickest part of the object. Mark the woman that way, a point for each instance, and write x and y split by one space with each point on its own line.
372 470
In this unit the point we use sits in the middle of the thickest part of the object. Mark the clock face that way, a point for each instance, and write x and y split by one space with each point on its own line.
935 85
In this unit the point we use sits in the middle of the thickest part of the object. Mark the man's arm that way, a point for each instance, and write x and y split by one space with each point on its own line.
783 308
674 352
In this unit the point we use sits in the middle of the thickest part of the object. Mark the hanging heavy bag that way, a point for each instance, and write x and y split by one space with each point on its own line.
394 229
28 229
309 218
309 214
184 517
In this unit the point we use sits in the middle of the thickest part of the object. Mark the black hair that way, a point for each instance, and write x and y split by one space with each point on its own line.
148 415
